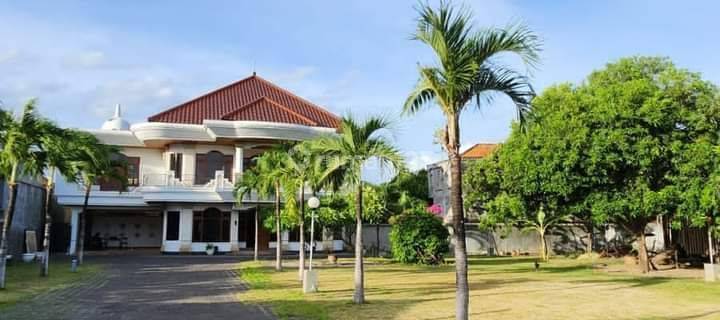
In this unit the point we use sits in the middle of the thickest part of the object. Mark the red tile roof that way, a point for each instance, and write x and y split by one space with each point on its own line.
479 150
250 99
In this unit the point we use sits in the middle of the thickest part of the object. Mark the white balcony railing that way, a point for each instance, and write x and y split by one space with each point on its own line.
169 180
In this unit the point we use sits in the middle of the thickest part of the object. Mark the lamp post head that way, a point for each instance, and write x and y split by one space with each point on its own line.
313 202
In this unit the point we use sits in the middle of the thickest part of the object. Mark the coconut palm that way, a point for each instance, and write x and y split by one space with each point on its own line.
349 151
19 156
93 161
467 68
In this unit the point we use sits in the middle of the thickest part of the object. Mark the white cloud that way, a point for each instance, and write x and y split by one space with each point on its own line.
419 160
87 59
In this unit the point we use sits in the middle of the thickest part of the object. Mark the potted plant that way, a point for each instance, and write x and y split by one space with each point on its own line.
210 249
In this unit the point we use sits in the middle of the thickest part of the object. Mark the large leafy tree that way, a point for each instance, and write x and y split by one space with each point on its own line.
20 155
642 110
350 150
536 180
467 68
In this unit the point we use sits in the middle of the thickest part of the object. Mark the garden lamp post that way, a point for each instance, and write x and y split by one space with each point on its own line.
310 280
313 203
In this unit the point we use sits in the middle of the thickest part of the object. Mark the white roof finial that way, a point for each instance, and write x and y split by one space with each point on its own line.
116 122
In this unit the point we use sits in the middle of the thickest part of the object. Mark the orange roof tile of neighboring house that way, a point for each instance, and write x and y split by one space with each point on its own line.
479 150
250 99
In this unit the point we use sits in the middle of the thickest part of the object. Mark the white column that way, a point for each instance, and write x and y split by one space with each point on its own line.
186 227
238 162
74 228
164 231
234 221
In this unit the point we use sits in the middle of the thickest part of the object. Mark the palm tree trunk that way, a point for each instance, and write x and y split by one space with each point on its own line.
278 247
458 220
82 217
12 188
49 189
301 265
642 252
359 294
543 246
377 239
257 227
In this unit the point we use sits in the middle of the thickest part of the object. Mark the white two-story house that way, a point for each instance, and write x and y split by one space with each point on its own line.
182 164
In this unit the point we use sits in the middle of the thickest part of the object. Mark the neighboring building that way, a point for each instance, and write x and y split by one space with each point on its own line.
182 164
28 213
439 175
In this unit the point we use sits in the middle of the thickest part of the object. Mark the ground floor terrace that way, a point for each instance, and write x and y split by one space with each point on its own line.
182 229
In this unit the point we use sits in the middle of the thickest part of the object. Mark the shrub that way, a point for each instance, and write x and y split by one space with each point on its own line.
418 237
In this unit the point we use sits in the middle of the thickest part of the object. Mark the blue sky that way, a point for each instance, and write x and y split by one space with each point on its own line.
81 58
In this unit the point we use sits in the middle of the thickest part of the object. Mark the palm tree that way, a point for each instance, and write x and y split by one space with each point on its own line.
19 156
467 68
250 181
349 151
304 168
270 167
55 143
93 161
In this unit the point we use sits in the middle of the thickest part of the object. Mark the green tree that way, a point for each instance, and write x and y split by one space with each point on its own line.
350 150
467 68
269 169
252 181
93 161
304 167
57 160
19 156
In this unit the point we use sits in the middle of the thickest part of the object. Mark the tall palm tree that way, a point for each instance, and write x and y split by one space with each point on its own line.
19 156
270 168
467 68
304 168
349 151
94 161
250 181
55 143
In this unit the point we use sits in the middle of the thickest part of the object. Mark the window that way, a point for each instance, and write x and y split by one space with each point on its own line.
176 164
211 225
172 229
132 173
207 164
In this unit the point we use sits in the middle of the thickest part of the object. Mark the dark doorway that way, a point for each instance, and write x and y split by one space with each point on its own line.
246 227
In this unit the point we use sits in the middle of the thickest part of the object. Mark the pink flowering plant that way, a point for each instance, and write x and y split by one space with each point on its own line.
435 209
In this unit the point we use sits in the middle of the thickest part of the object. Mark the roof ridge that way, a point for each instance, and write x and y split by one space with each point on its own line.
322 109
232 84
275 103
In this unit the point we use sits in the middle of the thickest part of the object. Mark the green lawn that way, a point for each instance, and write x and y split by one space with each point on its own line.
501 288
24 282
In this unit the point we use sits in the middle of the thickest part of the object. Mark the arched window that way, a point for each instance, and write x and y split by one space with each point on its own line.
211 225
207 164
132 173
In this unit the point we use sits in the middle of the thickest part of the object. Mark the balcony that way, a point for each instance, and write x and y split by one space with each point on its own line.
187 181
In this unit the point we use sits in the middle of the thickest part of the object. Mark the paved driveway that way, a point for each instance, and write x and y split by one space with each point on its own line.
148 288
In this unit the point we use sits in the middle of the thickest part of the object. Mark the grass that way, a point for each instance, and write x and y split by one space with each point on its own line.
24 282
500 288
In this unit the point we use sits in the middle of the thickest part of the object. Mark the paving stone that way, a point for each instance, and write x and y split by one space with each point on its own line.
148 288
